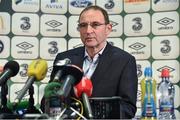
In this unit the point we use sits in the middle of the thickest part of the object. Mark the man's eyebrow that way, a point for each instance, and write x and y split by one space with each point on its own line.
91 22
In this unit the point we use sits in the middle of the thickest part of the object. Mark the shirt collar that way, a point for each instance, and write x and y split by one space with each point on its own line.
86 55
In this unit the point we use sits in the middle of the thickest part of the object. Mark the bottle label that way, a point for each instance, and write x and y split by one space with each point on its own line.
149 110
54 111
166 108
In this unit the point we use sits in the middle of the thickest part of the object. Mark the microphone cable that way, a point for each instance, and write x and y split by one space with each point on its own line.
82 108
80 114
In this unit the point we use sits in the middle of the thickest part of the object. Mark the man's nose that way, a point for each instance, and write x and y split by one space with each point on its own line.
89 28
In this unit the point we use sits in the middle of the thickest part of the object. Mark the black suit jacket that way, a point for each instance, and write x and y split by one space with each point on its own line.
115 75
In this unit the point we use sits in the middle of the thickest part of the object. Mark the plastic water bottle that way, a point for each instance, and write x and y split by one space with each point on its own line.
166 93
53 106
53 103
148 97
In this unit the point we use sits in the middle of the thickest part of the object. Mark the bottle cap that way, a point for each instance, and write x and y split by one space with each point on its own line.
165 72
148 72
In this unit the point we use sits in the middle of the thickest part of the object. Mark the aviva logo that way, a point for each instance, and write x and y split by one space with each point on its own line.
1 23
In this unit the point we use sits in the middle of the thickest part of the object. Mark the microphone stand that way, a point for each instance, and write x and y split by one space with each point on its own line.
5 112
32 112
4 92
31 108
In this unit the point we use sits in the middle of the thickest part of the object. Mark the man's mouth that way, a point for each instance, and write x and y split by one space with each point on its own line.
88 38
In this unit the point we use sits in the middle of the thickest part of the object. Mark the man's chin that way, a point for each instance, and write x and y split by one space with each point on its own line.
90 45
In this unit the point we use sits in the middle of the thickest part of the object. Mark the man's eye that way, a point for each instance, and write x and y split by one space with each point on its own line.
95 24
82 25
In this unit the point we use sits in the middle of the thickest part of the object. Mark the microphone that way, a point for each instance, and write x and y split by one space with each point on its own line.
58 66
63 62
53 103
71 75
10 69
84 89
36 71
58 89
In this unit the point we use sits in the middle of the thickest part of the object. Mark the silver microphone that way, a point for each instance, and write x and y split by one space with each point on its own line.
63 62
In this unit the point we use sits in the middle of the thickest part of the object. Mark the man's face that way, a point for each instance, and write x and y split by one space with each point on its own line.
92 27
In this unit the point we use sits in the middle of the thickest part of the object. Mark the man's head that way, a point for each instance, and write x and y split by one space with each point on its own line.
105 14
94 27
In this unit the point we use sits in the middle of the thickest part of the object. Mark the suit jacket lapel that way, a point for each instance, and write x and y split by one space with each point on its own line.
104 62
78 58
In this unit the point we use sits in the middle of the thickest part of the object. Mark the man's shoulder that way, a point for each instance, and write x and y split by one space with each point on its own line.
71 54
72 51
120 52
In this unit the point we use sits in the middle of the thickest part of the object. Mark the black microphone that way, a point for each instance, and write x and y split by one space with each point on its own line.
51 97
58 66
71 75
10 69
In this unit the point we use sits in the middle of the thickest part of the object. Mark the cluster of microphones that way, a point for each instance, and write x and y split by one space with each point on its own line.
59 102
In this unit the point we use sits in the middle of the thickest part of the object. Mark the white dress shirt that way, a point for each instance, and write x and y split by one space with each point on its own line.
89 65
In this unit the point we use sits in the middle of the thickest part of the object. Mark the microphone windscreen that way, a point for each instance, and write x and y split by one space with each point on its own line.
51 89
84 86
75 71
13 66
22 105
38 68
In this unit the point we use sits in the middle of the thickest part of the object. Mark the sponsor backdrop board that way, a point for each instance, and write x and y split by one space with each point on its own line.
147 29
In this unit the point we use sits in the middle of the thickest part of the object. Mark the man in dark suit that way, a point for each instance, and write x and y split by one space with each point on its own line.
112 70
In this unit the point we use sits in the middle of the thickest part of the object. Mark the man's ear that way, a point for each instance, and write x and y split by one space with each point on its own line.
108 28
